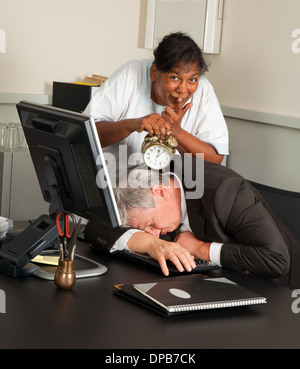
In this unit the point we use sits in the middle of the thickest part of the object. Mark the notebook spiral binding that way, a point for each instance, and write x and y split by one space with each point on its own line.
217 305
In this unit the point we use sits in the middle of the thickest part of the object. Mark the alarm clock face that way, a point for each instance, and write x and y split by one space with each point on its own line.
157 156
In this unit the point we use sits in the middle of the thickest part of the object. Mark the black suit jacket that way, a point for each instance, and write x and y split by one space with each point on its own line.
229 211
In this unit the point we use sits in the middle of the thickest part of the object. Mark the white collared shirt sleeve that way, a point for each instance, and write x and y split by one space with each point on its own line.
215 253
121 243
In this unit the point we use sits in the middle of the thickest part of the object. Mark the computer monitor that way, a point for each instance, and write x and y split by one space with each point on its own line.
72 174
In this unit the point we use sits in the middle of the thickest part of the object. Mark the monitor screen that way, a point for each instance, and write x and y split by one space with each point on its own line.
69 163
72 174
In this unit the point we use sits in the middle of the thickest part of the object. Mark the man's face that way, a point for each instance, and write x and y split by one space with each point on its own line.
179 83
164 217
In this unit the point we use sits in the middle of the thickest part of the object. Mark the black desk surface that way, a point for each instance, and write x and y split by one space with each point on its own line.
38 315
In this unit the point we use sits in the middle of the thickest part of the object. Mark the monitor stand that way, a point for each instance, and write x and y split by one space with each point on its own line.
84 267
17 251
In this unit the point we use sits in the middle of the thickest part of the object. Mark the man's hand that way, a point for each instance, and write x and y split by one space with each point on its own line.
179 256
162 251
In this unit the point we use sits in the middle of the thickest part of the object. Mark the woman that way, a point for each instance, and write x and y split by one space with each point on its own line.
169 94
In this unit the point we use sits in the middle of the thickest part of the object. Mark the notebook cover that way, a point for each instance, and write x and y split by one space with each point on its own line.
192 293
130 293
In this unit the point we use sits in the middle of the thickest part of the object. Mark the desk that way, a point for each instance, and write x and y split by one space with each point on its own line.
91 316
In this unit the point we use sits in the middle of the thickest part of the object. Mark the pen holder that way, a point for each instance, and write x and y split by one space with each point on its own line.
65 276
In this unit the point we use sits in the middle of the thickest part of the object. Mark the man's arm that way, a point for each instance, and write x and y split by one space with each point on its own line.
101 235
160 250
196 247
257 246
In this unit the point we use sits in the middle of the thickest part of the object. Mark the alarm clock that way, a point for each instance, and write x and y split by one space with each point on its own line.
158 149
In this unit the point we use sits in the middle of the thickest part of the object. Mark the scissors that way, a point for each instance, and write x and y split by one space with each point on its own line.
65 223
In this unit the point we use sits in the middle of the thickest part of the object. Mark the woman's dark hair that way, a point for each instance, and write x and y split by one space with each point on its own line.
177 48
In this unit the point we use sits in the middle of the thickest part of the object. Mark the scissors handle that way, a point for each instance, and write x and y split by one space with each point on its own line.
68 221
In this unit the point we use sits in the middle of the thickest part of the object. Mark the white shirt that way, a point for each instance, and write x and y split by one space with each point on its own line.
215 248
127 94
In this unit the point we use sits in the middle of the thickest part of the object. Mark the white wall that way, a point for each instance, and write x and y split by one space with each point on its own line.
257 80
265 153
64 40
257 69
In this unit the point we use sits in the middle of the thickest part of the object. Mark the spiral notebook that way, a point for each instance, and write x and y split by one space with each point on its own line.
191 293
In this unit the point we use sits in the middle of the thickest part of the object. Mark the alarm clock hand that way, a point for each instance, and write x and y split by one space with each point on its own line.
159 155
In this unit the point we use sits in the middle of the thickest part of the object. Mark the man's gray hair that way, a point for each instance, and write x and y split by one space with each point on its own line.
134 190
